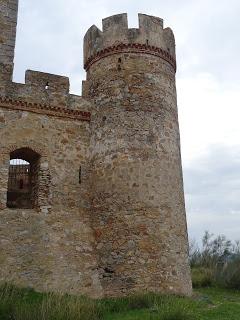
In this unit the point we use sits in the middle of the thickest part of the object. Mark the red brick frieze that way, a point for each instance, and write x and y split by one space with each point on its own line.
9 103
131 48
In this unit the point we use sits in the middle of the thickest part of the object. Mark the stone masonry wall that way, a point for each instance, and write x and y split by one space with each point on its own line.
138 211
51 247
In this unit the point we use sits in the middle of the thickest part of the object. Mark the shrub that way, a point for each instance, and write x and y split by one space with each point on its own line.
228 276
217 263
202 277
214 251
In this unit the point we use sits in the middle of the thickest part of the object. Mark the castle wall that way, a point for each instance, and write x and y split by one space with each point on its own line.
51 247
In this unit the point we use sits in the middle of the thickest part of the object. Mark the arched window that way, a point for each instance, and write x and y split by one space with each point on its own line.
23 179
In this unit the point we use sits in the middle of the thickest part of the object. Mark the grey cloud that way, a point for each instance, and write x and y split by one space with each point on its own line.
212 39
212 189
50 32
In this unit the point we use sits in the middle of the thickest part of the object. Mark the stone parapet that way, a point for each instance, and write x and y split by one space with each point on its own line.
150 37
44 93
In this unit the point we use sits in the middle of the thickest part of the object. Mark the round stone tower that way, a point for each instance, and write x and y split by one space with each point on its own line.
138 211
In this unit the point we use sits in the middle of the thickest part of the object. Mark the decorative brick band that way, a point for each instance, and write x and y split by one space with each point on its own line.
131 48
54 111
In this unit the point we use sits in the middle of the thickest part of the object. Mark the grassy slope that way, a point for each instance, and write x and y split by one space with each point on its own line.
206 304
222 304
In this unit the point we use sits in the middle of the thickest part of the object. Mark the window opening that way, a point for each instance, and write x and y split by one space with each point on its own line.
47 86
119 67
80 175
23 179
21 184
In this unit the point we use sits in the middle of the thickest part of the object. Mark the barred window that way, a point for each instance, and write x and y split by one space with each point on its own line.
23 179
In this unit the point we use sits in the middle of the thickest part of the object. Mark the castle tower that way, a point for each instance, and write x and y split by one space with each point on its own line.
138 211
8 24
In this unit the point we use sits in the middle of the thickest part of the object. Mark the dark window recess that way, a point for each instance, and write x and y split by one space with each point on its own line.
108 272
21 184
23 179
119 64
80 175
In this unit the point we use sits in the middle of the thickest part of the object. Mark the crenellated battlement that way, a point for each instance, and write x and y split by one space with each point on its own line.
45 81
150 38
44 93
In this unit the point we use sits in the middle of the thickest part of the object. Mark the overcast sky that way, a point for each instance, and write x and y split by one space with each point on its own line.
207 32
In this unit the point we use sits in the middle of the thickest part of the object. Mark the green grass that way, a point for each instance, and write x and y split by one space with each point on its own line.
202 277
222 304
206 304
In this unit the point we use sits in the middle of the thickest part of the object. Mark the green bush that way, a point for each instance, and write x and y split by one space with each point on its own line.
228 275
202 277
216 263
